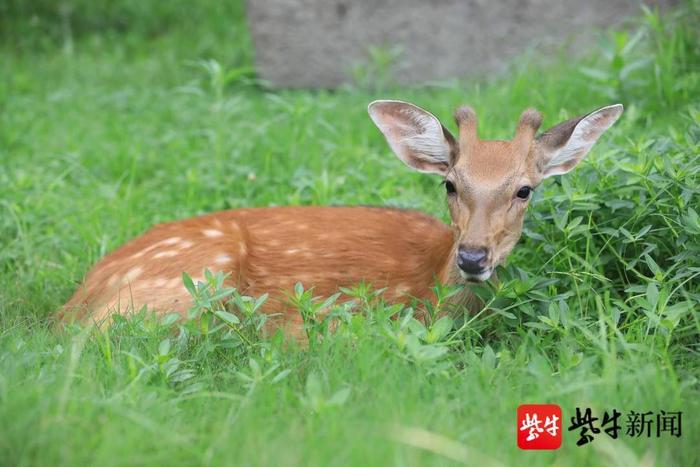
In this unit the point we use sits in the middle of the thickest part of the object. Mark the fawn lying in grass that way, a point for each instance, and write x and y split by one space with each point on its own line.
268 250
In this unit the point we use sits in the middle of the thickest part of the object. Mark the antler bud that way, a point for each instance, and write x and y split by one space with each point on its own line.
467 123
529 123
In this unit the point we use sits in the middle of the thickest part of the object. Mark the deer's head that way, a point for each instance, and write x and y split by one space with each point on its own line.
488 183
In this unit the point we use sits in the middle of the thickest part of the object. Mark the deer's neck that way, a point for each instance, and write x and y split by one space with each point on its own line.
449 274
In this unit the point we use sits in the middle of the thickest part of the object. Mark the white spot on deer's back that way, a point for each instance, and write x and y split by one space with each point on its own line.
160 282
174 283
222 259
293 251
165 254
167 241
132 274
212 233
185 244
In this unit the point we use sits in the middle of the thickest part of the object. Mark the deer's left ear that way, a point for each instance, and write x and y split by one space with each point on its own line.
565 145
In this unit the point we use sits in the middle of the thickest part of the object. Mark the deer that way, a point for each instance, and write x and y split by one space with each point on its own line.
268 250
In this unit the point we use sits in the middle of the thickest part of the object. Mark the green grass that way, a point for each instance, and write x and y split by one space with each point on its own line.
114 119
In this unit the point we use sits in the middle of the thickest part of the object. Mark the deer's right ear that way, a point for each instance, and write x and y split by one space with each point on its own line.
415 135
566 144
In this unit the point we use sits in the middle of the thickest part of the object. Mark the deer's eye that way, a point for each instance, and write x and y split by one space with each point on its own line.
524 192
450 187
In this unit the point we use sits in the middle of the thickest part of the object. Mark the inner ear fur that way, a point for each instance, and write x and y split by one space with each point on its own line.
416 136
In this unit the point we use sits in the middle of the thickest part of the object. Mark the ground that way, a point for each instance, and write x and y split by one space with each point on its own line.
115 119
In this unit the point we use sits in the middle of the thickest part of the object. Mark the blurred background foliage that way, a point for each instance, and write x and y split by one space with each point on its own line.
47 24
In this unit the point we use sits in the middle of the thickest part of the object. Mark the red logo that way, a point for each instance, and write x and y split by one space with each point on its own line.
539 426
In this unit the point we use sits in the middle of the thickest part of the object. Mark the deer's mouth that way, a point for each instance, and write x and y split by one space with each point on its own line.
482 276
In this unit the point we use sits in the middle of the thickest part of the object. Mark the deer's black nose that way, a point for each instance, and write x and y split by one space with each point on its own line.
471 260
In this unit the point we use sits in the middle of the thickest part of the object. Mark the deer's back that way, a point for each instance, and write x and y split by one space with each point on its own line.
268 250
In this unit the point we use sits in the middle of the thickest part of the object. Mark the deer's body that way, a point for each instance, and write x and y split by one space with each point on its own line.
269 250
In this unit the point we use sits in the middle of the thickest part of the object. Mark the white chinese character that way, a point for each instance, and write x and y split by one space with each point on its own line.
552 430
533 424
